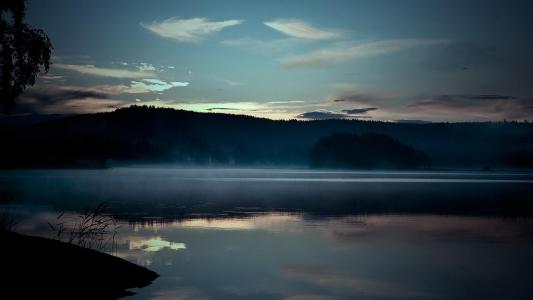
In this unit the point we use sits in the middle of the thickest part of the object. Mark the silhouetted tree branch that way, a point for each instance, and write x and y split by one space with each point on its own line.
24 51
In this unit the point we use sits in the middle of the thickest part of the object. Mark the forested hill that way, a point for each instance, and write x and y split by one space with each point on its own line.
148 134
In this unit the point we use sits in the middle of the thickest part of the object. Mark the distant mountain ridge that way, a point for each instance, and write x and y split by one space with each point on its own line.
141 134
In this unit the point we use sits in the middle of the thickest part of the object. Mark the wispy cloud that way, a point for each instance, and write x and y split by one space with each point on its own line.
57 98
476 106
365 97
188 30
146 67
321 115
65 99
464 101
358 111
136 87
486 97
105 72
301 29
50 76
345 52
154 85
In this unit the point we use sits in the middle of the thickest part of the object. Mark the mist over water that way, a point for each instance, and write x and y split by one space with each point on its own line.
176 192
302 234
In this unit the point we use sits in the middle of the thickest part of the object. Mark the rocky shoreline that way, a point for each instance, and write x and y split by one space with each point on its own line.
44 268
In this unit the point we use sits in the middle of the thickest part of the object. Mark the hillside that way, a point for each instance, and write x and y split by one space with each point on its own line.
368 151
141 134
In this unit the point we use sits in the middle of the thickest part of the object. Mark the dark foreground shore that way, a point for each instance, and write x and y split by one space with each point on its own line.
39 268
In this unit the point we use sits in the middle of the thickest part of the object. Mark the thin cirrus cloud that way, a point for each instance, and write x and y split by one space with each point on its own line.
188 30
346 52
154 85
105 72
139 87
143 85
301 29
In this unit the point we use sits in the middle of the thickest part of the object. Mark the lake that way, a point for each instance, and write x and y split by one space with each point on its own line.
301 234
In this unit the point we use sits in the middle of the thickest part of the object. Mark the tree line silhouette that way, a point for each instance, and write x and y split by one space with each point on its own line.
141 134
366 151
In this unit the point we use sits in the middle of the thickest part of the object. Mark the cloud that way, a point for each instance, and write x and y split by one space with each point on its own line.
347 52
105 89
464 101
137 87
146 67
52 98
58 94
188 30
357 111
443 107
476 106
65 99
353 113
321 115
488 97
355 96
301 29
50 76
105 72
153 85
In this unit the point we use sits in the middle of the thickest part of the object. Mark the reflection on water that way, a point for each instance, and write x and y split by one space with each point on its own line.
304 239
292 256
301 256
155 244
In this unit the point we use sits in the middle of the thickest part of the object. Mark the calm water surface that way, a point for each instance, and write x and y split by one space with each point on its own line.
300 234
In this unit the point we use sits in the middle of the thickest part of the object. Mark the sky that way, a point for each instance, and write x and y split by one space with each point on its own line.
374 60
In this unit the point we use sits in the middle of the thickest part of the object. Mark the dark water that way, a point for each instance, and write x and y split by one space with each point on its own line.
299 234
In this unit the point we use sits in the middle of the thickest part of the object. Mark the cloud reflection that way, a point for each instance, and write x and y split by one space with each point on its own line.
155 244
271 221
